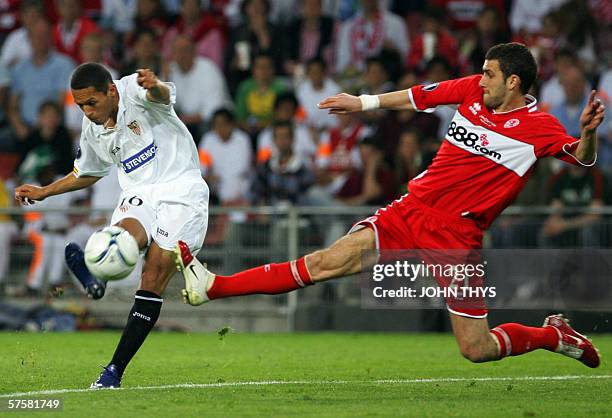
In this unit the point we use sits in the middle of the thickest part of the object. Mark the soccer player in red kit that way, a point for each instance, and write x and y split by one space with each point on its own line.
495 138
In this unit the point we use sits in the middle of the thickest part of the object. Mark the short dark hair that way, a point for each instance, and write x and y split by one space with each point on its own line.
286 96
50 104
90 74
32 4
515 58
282 124
373 142
316 61
223 112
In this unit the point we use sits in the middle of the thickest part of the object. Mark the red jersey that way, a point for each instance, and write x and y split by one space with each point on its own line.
487 156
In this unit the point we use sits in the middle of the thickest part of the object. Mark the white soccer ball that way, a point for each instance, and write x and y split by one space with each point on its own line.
111 253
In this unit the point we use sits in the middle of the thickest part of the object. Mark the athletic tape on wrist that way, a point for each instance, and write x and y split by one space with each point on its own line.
369 102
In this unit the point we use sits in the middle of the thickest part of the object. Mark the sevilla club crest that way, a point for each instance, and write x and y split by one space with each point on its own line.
135 127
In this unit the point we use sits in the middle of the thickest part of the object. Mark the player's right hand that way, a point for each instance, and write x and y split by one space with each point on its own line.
341 104
27 194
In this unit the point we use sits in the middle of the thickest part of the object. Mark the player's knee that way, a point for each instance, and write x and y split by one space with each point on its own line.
473 352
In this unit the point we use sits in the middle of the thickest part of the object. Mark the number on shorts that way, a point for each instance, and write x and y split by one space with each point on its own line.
134 201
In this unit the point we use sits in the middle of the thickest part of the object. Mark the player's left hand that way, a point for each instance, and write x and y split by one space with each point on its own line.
341 104
147 78
593 113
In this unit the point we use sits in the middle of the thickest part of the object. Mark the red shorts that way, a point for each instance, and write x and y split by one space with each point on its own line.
408 224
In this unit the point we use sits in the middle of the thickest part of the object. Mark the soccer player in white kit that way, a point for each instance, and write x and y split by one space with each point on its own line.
131 123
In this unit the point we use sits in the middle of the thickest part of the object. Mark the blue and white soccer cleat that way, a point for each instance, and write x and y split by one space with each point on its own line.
94 287
198 280
109 378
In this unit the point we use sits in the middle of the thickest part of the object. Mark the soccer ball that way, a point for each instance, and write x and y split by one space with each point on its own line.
111 253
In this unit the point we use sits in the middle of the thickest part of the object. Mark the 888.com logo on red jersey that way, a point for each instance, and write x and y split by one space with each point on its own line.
470 139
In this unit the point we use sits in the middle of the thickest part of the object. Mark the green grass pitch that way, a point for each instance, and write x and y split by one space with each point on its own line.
319 374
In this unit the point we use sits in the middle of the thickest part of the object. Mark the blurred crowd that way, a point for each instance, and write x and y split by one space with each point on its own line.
249 74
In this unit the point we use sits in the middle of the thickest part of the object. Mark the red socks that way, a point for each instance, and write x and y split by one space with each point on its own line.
269 279
516 339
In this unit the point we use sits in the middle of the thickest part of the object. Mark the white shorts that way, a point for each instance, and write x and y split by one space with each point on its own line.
169 212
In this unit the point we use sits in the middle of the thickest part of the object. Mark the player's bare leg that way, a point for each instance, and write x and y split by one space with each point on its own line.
343 258
474 338
157 271
135 228
478 343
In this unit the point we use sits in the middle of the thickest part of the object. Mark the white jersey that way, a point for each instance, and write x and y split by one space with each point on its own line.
149 144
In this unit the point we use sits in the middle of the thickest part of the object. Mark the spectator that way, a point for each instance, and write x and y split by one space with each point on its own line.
551 93
43 77
522 230
72 27
374 184
226 157
435 40
394 123
150 14
311 91
16 46
145 54
254 37
47 233
409 159
526 16
93 49
7 140
367 34
578 188
546 44
579 28
118 15
284 179
199 84
463 15
9 14
376 81
376 78
438 69
53 136
338 156
576 92
601 10
255 97
230 9
286 109
7 230
605 142
207 30
309 37
487 33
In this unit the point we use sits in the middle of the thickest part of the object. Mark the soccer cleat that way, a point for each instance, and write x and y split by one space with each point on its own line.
572 343
198 280
75 260
109 378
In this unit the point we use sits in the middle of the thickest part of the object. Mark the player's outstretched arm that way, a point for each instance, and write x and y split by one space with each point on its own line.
590 119
346 103
157 91
28 193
